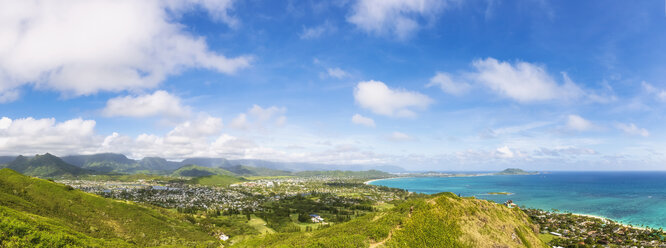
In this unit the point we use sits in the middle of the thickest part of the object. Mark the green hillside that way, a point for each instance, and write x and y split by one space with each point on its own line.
217 180
244 170
45 165
103 162
443 220
33 207
199 171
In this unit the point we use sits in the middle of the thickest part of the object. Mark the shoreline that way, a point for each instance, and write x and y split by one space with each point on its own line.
369 181
612 220
578 214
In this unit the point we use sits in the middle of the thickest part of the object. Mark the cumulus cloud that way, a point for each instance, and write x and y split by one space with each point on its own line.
380 99
83 47
337 73
160 103
577 123
448 85
504 152
400 18
522 81
257 117
632 129
32 136
362 120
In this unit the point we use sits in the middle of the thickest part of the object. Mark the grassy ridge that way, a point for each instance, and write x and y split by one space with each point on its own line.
78 212
443 220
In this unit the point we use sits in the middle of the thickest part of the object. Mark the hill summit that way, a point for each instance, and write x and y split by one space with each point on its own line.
46 165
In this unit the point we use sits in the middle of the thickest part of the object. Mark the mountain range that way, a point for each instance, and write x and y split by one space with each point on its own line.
49 165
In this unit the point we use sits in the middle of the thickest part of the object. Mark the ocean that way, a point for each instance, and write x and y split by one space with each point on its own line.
635 198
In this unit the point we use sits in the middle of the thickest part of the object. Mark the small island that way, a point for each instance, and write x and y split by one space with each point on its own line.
515 171
500 193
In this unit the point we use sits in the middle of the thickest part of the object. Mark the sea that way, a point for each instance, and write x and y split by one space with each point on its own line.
634 198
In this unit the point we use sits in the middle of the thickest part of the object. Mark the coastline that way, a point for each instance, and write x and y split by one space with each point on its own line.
379 179
578 214
612 220
369 181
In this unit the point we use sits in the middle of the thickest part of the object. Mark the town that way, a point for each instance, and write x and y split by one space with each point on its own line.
571 230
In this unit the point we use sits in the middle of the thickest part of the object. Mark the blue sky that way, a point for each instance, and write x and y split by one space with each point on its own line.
426 85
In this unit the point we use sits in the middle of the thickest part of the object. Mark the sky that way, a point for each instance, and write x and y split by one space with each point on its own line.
423 84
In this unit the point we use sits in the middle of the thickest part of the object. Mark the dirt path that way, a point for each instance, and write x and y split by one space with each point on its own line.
375 245
380 243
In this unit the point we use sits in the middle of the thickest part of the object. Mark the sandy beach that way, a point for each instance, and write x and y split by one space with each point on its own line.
608 219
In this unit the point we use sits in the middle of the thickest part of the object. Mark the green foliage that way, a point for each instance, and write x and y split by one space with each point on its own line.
45 165
216 180
243 170
18 229
199 171
442 220
78 212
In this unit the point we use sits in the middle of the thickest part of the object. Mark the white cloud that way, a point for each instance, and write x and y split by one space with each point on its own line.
659 94
31 136
257 117
83 47
448 85
160 103
504 152
317 31
400 18
9 95
522 81
577 123
632 129
362 120
398 136
381 99
337 73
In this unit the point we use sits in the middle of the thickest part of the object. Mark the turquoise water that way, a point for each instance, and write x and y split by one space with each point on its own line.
636 198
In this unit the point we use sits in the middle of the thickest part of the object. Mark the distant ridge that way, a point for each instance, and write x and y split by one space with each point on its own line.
46 165
106 163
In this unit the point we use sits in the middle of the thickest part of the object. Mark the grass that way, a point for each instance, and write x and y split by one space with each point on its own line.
384 206
217 180
78 212
260 225
546 237
252 178
442 220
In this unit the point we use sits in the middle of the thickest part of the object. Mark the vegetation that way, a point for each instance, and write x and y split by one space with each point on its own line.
199 171
216 180
72 213
443 220
45 165
500 193
273 211
570 230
